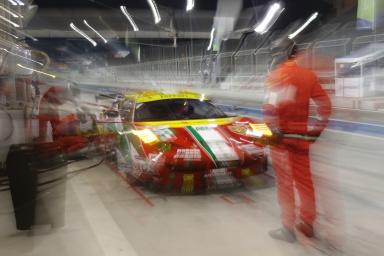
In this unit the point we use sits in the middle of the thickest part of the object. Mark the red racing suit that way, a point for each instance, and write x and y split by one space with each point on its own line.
289 91
65 130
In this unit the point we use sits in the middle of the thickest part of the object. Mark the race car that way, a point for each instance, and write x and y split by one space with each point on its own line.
181 142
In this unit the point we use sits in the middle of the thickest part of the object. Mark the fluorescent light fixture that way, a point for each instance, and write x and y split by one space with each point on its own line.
10 34
94 30
37 71
155 11
83 34
314 16
10 22
19 2
190 5
20 56
211 40
129 17
273 13
12 2
14 14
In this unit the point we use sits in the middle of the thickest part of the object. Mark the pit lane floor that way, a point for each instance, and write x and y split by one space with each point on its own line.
104 215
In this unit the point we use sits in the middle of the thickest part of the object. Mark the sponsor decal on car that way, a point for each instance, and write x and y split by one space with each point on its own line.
212 142
188 154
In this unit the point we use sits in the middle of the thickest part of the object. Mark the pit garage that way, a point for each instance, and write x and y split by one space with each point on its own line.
140 129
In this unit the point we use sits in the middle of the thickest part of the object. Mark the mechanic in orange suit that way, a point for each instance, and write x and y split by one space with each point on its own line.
289 91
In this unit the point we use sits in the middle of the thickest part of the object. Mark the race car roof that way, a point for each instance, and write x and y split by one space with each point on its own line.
148 96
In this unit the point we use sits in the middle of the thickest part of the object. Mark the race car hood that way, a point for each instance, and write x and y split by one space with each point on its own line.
208 143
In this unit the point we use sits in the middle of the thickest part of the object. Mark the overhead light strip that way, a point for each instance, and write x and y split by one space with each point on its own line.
272 14
211 39
20 56
12 2
27 35
19 2
94 30
313 16
37 71
10 22
190 5
129 17
14 14
83 34
10 34
155 11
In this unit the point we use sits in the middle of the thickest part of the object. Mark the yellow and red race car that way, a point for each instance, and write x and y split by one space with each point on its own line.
180 142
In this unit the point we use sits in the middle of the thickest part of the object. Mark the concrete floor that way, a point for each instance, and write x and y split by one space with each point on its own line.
106 216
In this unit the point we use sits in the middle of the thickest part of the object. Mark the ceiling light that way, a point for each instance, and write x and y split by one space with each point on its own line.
12 2
10 22
10 34
155 11
211 39
83 34
94 30
19 2
190 5
14 14
37 71
129 17
20 56
273 13
293 35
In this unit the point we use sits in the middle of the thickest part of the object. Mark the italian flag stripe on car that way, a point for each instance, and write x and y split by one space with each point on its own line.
203 143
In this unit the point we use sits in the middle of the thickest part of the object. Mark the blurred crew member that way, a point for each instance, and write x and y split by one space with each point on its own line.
289 91
65 128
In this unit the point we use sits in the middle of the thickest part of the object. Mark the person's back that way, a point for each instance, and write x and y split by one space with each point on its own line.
289 91
290 88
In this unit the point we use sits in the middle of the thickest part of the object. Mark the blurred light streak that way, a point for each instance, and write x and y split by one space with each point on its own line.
129 17
155 11
12 2
37 71
19 2
83 34
273 13
27 35
14 14
190 5
11 44
10 22
211 40
293 35
10 34
23 57
94 30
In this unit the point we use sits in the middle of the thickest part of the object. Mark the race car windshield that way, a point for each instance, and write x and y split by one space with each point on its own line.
176 109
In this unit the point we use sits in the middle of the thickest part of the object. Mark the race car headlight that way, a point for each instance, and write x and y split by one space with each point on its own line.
146 136
259 130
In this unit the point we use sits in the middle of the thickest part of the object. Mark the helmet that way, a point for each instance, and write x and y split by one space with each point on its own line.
281 50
